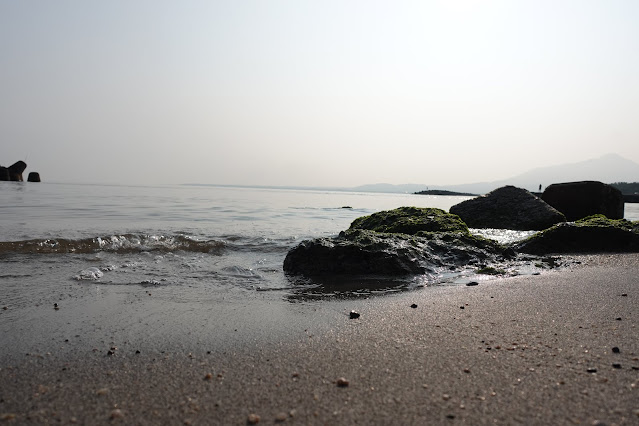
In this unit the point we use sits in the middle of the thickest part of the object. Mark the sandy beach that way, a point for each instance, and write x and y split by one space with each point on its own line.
557 348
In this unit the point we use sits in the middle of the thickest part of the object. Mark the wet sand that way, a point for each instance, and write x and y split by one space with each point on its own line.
558 348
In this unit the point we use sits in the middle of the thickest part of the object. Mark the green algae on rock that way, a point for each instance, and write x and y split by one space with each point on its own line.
592 234
362 252
411 220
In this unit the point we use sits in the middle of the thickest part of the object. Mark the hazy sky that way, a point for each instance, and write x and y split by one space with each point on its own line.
316 93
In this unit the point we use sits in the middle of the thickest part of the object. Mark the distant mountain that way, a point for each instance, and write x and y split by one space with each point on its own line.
610 168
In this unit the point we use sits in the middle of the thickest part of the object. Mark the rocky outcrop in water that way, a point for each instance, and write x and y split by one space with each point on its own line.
407 240
14 173
412 240
594 234
577 200
358 252
508 207
33 177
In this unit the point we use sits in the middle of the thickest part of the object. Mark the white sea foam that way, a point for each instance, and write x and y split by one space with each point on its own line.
503 236
89 274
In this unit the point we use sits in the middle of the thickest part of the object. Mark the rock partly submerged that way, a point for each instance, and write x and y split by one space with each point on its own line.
508 207
593 234
408 240
577 200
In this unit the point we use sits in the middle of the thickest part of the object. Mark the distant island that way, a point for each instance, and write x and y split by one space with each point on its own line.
444 192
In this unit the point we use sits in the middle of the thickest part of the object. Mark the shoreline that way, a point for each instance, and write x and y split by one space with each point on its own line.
527 349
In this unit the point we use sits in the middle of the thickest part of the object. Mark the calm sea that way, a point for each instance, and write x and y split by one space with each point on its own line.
190 239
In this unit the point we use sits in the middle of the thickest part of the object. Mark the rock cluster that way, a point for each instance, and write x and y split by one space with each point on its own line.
411 240
14 173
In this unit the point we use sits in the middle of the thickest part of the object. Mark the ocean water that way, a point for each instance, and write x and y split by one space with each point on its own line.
190 241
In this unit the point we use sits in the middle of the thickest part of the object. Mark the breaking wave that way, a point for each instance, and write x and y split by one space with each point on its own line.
121 244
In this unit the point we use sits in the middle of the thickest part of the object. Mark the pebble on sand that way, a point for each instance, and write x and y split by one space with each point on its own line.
342 382
253 419
117 414
354 315
414 305
615 350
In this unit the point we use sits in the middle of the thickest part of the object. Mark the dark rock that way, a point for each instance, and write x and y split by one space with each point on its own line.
15 171
616 365
615 350
591 370
472 283
414 306
508 207
33 177
362 252
595 234
577 200
354 315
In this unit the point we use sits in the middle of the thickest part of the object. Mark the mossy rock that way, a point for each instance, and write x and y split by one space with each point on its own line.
362 252
592 234
411 220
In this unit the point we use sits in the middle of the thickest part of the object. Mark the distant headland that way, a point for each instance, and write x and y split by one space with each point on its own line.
444 192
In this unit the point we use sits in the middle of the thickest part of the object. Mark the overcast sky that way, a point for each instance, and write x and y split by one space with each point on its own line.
316 93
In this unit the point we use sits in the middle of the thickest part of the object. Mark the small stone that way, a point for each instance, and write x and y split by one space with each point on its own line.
117 414
461 307
4 308
618 318
466 370
281 417
591 370
342 382
615 350
445 397
414 306
137 352
253 419
354 315
102 391
472 283
208 376
624 294
617 366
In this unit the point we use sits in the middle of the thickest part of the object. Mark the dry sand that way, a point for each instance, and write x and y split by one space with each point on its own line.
558 348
